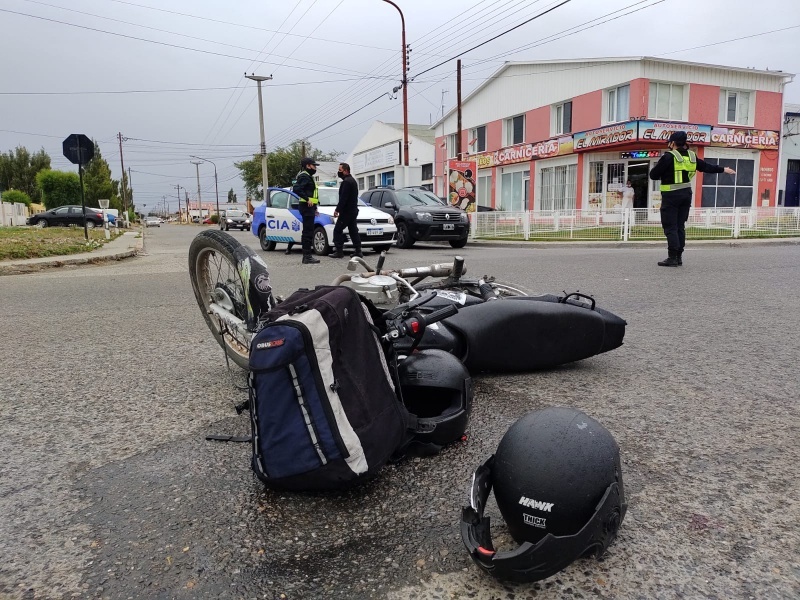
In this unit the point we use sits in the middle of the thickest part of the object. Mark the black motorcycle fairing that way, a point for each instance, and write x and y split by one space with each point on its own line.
522 336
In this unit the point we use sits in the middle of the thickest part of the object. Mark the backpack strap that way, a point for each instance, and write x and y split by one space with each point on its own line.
229 438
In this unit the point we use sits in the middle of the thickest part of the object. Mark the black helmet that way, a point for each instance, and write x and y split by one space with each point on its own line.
558 484
437 388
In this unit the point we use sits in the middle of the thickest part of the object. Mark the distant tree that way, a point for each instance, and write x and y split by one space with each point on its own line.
18 169
15 196
283 164
231 196
97 182
59 188
128 190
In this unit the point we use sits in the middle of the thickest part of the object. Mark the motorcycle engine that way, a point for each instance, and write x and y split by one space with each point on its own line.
380 289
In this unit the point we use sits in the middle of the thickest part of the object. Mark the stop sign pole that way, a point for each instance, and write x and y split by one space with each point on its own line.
79 149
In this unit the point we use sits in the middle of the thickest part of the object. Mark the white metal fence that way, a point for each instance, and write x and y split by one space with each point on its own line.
634 224
13 214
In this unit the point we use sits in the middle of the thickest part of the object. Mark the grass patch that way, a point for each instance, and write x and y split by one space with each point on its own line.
33 242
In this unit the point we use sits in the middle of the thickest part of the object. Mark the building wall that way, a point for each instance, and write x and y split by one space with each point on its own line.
533 89
703 103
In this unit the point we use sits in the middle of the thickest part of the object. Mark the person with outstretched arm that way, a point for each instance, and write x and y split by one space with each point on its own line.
676 170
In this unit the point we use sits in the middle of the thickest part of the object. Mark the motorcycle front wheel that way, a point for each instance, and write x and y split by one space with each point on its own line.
217 283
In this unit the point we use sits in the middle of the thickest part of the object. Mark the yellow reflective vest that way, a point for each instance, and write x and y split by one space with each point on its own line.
313 198
685 170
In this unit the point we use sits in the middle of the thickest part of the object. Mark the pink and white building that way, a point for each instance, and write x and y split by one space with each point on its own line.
568 134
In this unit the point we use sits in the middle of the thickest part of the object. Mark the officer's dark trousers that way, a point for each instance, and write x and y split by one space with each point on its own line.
307 211
349 222
674 214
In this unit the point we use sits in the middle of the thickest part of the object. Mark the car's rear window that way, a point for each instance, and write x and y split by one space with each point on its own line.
234 213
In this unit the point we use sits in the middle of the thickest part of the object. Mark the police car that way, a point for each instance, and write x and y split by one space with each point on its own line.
278 221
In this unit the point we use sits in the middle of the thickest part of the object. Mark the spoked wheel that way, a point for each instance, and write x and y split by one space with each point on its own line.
219 288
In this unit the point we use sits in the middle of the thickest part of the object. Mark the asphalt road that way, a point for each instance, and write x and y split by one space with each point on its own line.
109 381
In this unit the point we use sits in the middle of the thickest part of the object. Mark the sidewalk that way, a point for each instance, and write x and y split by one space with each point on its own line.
124 246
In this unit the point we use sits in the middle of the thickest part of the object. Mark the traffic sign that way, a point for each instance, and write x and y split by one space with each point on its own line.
79 149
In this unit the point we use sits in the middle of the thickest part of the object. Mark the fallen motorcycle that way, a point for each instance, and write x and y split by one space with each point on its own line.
497 327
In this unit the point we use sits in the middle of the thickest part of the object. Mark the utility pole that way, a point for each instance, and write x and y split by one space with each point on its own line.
199 199
179 204
122 179
458 104
264 181
164 203
404 83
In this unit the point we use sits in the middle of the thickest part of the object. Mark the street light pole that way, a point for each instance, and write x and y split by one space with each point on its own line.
216 183
258 79
199 199
405 84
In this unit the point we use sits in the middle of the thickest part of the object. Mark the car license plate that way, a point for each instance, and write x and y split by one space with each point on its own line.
374 231
448 226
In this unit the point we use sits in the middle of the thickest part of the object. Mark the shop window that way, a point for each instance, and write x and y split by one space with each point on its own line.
450 143
514 191
618 104
558 187
484 190
515 130
360 183
666 101
562 118
721 190
427 171
734 107
477 139
370 181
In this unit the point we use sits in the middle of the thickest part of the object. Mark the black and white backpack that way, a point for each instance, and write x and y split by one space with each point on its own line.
323 405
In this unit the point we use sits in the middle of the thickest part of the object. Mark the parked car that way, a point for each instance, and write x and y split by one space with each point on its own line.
420 216
234 219
208 221
152 222
278 220
67 215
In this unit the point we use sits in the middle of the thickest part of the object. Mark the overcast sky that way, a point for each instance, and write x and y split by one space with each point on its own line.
328 58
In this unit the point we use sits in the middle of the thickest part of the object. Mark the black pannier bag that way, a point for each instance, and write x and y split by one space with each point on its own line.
324 410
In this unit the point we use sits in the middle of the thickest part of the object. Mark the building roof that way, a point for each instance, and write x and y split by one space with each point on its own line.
422 132
613 59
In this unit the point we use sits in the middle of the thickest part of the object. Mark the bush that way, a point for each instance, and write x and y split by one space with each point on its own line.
14 196
59 188
215 219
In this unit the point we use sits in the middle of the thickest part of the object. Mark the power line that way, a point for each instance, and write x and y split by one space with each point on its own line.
177 46
246 26
541 14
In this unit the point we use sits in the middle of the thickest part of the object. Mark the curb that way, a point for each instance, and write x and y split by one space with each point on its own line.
84 258
642 244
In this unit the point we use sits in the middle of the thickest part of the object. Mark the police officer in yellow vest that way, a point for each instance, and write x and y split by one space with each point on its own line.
306 188
676 170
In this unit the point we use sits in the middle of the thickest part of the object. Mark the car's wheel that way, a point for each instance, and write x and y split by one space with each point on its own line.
42 223
320 242
458 243
264 242
227 228
90 224
404 239
247 229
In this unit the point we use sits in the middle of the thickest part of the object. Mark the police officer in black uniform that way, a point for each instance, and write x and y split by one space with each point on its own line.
346 214
676 170
306 188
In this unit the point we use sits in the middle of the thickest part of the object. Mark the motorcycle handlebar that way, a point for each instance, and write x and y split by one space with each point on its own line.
442 313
